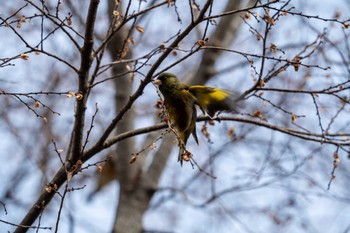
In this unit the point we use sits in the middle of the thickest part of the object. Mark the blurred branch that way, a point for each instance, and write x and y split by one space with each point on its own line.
223 36
24 226
113 29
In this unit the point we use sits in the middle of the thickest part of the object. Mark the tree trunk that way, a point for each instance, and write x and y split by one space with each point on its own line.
223 36
136 186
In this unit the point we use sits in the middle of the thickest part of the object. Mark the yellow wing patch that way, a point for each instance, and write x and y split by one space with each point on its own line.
211 99
207 93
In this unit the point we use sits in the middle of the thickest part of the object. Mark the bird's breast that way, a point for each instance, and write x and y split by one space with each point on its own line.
180 110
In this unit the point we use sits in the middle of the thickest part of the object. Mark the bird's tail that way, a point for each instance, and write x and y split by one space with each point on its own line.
181 152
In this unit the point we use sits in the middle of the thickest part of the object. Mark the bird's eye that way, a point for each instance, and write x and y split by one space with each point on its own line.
162 78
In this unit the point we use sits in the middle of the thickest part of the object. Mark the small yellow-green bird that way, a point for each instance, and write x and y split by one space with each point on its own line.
180 101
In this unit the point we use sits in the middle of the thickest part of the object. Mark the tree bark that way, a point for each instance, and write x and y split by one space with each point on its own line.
128 215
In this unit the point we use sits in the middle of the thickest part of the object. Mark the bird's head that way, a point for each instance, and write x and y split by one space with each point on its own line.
167 81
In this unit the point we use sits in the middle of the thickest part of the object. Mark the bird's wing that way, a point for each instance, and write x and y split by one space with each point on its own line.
212 99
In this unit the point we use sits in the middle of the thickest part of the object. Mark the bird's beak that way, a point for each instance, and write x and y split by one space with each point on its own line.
157 82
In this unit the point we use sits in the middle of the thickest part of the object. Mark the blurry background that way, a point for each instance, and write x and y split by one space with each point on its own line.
280 165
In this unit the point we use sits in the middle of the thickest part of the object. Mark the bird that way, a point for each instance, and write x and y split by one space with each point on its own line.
104 175
181 102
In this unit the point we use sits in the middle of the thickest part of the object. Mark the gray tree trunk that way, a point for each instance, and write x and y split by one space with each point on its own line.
225 33
137 186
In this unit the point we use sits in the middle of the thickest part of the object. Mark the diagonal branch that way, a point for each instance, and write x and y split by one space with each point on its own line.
149 77
74 150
